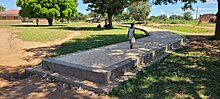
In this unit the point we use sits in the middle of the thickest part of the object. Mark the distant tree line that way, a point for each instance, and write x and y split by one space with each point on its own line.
185 16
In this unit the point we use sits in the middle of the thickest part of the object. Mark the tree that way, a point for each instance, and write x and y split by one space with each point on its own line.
122 17
173 17
187 16
217 29
2 8
110 7
80 16
180 17
188 5
48 9
139 10
162 17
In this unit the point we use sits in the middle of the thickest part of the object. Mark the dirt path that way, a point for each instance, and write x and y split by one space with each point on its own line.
35 88
15 52
16 55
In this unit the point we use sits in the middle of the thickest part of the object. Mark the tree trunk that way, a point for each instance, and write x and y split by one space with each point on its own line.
110 21
50 21
217 27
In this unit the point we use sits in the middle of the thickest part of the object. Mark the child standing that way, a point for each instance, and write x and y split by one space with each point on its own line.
131 33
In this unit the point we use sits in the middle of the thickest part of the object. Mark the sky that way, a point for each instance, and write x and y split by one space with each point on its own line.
203 8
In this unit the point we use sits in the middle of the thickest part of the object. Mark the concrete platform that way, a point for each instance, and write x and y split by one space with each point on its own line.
101 67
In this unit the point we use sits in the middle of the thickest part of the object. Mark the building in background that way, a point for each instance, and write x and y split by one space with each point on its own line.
12 16
207 18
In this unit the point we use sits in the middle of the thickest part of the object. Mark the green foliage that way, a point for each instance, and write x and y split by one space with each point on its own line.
162 17
47 9
187 3
80 16
139 10
187 29
125 16
176 17
109 7
187 16
2 8
153 18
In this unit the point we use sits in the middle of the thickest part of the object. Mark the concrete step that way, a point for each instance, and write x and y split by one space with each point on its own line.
89 85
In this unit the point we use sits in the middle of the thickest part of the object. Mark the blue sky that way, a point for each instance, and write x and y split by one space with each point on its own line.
209 7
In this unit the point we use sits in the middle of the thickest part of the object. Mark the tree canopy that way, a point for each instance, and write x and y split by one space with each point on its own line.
111 7
188 5
175 17
124 16
139 10
187 16
48 9
2 8
162 17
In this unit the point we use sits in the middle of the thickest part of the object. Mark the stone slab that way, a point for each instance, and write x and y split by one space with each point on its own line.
89 85
100 69
106 63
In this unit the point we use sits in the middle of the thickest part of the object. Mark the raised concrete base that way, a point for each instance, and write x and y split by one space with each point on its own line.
100 69
89 85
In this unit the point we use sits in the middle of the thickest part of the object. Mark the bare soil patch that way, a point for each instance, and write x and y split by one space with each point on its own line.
15 54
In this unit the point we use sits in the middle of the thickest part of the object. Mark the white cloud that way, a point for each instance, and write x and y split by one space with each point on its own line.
161 11
211 1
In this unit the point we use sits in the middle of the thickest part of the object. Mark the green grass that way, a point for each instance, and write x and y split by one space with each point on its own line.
187 29
41 34
93 37
186 73
190 22
207 24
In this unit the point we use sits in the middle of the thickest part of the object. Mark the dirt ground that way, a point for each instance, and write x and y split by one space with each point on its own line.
15 55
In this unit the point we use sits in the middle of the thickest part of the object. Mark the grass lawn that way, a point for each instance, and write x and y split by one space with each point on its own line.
41 34
93 37
187 29
190 72
44 33
207 24
34 33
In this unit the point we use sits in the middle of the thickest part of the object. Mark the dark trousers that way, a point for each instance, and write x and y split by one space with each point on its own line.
131 45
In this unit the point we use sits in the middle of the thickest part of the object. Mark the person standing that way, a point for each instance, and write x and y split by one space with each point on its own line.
37 21
131 34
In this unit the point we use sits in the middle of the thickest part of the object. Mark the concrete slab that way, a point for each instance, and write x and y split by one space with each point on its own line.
89 85
104 65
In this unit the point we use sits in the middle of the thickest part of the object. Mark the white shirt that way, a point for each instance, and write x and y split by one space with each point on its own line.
131 32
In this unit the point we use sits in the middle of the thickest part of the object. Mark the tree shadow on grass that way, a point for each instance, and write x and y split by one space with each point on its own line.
32 25
85 28
174 76
93 41
79 44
